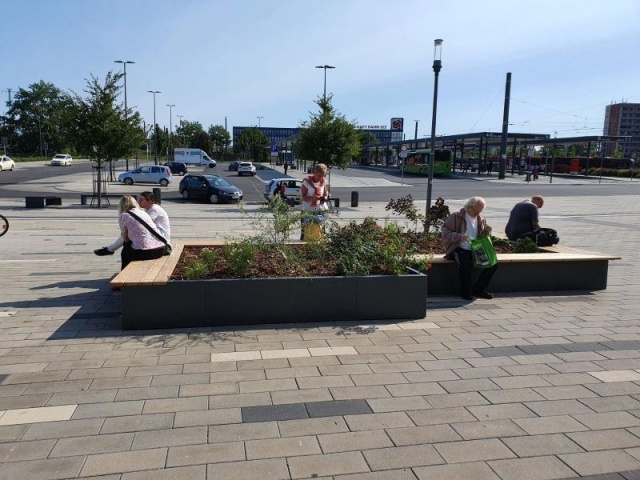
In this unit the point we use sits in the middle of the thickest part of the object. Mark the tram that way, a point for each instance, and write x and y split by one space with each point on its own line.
417 162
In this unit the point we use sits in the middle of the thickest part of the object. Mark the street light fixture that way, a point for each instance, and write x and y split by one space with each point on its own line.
170 124
259 118
124 65
155 127
324 96
437 66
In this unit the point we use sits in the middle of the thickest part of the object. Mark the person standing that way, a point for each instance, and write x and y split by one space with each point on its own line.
523 219
286 166
314 193
458 230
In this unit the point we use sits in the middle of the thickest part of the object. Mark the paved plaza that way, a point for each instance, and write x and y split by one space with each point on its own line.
524 386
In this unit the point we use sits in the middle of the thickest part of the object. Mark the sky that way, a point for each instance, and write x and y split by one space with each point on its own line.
243 59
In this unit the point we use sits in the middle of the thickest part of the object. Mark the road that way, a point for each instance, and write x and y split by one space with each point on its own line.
373 184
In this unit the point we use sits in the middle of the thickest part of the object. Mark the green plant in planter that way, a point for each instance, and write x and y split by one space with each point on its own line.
525 245
438 212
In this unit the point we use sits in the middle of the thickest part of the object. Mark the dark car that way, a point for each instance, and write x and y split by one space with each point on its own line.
213 188
233 166
178 168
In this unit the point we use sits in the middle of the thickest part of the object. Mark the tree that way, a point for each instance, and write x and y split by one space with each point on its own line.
254 143
328 137
103 129
189 132
220 137
38 120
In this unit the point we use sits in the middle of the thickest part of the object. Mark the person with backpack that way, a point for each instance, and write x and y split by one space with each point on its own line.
524 223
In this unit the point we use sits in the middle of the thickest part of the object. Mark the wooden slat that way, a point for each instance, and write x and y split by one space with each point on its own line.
163 275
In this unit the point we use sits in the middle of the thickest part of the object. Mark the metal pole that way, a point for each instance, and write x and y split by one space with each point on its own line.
155 127
170 127
437 66
126 111
324 95
259 120
505 129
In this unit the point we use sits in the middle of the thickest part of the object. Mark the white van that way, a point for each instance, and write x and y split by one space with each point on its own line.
193 156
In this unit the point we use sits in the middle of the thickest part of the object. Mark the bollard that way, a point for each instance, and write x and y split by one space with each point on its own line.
354 199
157 194
336 202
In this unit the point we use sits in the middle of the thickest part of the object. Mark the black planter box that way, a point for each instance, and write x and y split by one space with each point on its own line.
208 303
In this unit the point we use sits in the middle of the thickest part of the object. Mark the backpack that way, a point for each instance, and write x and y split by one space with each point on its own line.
545 237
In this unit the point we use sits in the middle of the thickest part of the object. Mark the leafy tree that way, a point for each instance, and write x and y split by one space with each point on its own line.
103 129
254 143
202 140
189 132
328 137
367 138
41 111
220 137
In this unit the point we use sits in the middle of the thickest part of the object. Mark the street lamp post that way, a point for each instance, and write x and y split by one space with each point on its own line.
170 125
437 66
126 113
324 96
259 118
155 127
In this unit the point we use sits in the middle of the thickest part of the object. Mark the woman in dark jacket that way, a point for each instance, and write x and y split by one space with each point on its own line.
459 228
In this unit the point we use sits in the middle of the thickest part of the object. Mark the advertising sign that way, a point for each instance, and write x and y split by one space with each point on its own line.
397 124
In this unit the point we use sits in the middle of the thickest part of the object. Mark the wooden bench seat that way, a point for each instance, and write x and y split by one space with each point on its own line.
148 272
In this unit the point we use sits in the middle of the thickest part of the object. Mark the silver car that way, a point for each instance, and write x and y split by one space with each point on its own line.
246 168
147 174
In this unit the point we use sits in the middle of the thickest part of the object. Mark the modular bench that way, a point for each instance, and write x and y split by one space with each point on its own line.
94 198
42 201
555 268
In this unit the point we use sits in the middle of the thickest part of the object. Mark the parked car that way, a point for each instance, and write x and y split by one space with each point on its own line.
62 159
147 174
292 189
213 188
233 166
246 168
177 167
6 163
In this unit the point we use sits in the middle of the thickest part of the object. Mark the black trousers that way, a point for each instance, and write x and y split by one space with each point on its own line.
129 254
472 279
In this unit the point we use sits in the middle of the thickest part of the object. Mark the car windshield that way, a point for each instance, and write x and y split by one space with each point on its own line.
60 156
219 182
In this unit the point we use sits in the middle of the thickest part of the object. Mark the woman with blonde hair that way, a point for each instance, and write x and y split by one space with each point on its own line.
136 228
314 194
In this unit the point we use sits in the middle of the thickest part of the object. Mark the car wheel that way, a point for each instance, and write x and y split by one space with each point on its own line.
128 181
164 182
181 172
185 194
214 198
211 166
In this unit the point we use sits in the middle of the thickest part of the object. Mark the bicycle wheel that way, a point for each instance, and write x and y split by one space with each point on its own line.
4 225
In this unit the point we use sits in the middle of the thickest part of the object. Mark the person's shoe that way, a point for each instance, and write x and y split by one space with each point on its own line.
101 252
485 294
466 296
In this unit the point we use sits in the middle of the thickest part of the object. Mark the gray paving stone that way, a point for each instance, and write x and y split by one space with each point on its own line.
457 471
423 435
312 426
115 409
328 464
537 468
378 420
273 469
198 472
34 450
175 405
559 424
13 433
68 447
350 441
243 431
282 447
170 437
207 417
608 420
398 474
337 408
205 454
136 423
122 462
557 407
268 413
301 396
441 415
488 429
499 351
593 463
46 469
402 457
605 439
473 450
541 445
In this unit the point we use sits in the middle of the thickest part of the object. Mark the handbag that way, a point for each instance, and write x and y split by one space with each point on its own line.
483 253
545 237
167 246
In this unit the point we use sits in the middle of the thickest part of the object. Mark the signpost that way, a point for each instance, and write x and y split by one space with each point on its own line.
403 156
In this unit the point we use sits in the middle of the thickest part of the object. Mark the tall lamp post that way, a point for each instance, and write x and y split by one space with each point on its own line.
259 118
437 66
324 96
126 112
155 127
170 125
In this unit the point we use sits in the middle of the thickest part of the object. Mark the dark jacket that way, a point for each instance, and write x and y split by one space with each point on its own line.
455 226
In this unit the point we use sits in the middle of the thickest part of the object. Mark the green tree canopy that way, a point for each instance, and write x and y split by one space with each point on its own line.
41 111
219 136
253 143
328 137
102 128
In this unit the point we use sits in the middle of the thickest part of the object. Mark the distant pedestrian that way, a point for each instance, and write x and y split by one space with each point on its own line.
465 167
535 173
286 167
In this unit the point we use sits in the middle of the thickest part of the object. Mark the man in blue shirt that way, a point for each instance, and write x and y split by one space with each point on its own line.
523 219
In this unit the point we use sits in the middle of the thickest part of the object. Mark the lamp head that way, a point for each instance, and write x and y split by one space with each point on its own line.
437 55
